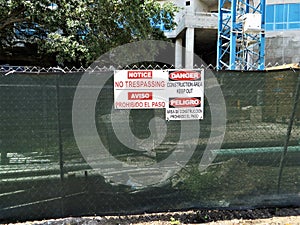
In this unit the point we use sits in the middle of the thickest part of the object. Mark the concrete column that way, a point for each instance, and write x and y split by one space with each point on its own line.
189 47
178 53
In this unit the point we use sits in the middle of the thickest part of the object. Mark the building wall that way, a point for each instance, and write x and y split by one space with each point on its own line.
200 6
282 31
283 47
282 1
194 5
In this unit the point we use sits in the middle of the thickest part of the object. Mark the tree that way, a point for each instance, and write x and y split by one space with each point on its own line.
78 31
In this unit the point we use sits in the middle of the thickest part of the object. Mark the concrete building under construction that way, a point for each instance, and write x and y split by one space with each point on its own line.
197 31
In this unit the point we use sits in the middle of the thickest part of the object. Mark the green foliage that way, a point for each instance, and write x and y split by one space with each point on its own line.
173 221
233 181
81 30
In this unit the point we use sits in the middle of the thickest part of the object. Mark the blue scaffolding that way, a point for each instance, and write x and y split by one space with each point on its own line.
241 35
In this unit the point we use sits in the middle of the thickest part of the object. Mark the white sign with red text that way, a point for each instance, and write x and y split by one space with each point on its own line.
140 89
185 90
180 92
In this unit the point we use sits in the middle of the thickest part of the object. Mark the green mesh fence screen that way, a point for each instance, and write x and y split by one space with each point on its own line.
43 173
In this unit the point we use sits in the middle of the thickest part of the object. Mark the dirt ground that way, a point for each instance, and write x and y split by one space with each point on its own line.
288 220
269 216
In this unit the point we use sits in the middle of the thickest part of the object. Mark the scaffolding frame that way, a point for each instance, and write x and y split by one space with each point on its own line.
239 48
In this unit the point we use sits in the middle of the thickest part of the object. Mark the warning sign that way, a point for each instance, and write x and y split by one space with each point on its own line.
185 93
140 89
180 92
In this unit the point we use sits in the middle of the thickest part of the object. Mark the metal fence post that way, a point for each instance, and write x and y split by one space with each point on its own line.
59 138
288 134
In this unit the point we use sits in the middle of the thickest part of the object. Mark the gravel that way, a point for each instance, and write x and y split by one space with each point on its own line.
227 217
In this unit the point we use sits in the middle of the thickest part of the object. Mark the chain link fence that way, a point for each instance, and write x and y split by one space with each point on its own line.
43 173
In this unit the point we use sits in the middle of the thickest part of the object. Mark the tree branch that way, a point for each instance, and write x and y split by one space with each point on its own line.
11 21
13 18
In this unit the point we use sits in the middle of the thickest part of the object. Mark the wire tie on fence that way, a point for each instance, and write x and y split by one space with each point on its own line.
10 72
293 69
60 69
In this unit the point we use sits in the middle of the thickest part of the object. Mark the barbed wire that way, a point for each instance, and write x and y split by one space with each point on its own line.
57 69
